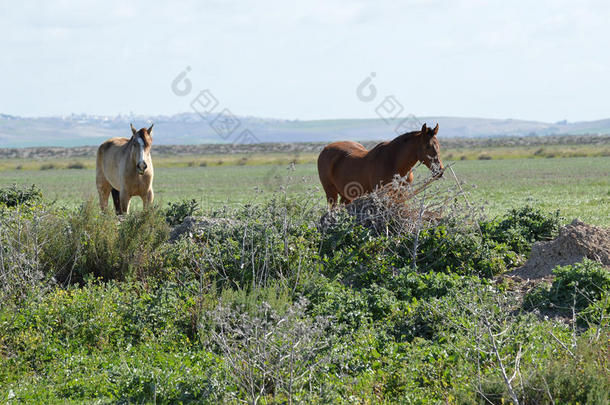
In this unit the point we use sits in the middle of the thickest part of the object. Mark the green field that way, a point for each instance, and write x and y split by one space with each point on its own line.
578 187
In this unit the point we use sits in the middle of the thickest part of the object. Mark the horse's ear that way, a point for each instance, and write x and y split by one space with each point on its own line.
424 128
435 131
133 130
152 125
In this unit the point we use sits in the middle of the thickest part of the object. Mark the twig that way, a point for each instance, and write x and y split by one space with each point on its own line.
562 345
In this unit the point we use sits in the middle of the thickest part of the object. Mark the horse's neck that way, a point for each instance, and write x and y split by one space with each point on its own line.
404 157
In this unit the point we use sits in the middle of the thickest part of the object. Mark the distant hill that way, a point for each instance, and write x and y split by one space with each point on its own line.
191 128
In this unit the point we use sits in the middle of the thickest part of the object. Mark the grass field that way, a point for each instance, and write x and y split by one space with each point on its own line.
578 187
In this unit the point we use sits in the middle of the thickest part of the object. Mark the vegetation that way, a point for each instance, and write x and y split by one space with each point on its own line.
14 196
263 304
578 289
522 227
177 211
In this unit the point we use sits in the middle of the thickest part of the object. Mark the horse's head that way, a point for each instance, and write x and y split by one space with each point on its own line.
141 142
428 150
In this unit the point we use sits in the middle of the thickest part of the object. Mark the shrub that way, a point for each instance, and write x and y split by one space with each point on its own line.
262 243
141 235
575 288
98 316
80 243
409 284
76 165
270 353
465 253
15 196
579 379
21 273
589 279
358 258
109 342
361 255
92 243
176 212
521 227
347 307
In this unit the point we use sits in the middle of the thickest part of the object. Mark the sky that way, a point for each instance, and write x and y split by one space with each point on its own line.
536 60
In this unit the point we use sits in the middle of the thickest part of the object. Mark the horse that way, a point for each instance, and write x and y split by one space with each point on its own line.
124 168
349 170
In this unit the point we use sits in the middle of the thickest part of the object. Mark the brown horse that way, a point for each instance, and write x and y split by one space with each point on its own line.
124 167
350 170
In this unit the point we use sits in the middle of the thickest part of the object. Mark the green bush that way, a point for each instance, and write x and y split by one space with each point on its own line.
409 284
262 244
360 257
521 227
115 342
141 235
176 212
596 313
76 165
579 379
365 261
15 196
465 253
90 243
575 288
347 307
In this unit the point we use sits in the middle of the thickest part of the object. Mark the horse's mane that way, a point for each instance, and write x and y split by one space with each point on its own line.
405 135
382 145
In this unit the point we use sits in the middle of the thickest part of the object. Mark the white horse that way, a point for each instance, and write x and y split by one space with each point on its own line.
124 167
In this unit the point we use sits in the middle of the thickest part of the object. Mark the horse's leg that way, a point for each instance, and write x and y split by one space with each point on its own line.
148 198
331 194
345 200
116 199
124 197
103 189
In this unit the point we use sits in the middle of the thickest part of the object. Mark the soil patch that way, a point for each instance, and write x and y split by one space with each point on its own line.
575 242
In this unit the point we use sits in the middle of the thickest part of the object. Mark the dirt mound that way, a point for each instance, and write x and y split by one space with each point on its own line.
575 242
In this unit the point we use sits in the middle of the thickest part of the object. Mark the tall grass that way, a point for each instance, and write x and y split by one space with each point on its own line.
90 243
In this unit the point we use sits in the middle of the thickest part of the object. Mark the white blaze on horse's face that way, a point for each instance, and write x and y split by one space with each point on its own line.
141 165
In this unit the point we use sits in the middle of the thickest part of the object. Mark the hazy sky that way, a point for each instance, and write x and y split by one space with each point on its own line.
541 60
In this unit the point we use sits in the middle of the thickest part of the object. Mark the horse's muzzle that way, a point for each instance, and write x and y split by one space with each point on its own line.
439 173
141 167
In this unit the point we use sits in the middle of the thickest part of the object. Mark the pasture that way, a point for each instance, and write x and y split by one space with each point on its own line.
577 186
